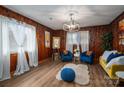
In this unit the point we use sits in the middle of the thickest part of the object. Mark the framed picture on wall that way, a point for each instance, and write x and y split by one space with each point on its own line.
121 25
121 38
47 39
56 42
121 32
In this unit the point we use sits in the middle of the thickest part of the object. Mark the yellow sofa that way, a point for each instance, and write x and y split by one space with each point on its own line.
112 70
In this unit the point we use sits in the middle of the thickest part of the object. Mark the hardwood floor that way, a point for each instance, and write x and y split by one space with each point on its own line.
45 76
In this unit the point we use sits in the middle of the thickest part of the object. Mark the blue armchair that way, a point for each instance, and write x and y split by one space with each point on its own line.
66 58
86 58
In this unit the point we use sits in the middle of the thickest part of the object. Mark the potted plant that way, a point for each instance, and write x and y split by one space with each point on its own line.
107 38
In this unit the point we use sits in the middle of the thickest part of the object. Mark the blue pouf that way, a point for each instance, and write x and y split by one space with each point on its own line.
68 74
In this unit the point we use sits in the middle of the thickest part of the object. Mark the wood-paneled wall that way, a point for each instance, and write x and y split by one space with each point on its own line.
43 52
115 29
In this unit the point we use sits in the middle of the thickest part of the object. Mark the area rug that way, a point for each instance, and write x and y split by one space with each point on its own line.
81 72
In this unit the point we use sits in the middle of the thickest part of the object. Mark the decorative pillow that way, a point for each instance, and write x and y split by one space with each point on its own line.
107 53
65 52
88 53
113 56
117 61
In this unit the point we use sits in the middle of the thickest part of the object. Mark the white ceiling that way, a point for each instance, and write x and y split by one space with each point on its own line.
87 15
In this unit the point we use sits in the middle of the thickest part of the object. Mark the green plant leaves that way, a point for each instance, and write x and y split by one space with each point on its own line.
107 41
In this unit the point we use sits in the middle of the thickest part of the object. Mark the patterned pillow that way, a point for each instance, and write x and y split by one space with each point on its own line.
65 52
88 53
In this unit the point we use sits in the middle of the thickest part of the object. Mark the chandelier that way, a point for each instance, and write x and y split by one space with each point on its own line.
72 25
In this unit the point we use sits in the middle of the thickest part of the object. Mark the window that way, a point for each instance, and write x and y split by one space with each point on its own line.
73 38
17 37
76 38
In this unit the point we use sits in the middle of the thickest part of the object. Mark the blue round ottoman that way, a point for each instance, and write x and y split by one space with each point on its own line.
68 74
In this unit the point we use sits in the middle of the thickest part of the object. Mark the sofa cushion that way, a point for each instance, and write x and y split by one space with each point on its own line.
118 61
106 54
113 56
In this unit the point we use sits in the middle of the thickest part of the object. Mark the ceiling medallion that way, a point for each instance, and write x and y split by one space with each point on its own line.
72 25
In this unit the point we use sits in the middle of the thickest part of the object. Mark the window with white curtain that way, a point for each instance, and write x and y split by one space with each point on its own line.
73 37
17 37
81 37
13 44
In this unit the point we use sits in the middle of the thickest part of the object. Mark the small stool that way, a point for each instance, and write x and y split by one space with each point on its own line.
68 74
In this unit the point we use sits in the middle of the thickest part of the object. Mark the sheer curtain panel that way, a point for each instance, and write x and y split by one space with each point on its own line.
71 39
77 38
19 33
84 41
32 47
4 49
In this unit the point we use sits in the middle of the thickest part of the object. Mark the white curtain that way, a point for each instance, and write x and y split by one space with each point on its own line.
81 37
76 39
22 38
84 40
32 46
69 44
4 49
19 34
71 39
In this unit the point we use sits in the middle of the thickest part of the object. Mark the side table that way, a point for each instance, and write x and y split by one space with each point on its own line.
55 56
120 75
76 58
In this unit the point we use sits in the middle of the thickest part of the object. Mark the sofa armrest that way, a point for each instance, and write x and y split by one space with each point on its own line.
116 68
